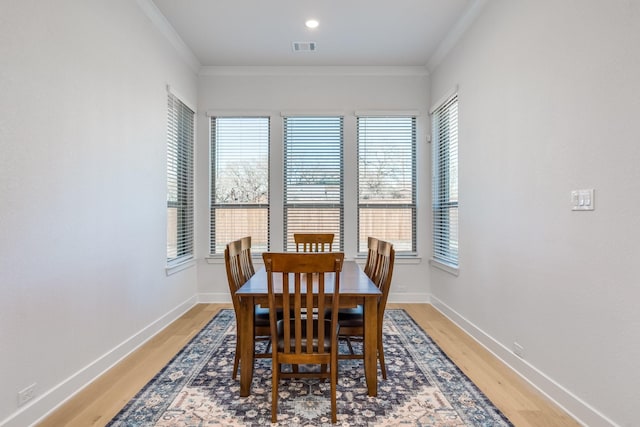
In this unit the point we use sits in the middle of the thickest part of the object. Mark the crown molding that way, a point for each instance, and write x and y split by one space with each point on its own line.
160 22
455 34
314 71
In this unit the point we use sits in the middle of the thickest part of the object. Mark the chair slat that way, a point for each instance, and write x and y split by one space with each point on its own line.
313 242
372 256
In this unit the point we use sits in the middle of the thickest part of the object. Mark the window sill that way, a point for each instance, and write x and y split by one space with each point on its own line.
213 259
219 259
172 269
399 259
455 270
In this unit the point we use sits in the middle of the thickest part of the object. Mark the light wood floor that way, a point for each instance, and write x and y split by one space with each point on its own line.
102 399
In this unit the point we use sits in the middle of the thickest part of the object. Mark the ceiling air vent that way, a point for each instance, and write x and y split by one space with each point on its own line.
304 46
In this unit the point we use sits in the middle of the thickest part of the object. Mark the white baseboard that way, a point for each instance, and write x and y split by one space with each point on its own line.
214 297
409 297
574 406
50 400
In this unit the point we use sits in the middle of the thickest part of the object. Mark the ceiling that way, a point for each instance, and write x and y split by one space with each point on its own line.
350 32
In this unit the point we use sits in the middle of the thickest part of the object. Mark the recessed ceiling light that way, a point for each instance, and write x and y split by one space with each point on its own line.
311 23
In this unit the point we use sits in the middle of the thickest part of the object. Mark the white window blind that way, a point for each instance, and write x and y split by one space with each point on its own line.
313 178
180 221
445 182
239 182
387 181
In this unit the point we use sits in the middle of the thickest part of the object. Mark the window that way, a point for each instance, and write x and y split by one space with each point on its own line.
313 178
445 182
180 135
239 182
387 181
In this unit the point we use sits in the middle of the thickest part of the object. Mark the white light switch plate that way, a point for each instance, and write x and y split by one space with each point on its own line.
582 200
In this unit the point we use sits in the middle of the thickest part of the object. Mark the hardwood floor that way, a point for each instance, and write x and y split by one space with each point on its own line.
517 399
102 399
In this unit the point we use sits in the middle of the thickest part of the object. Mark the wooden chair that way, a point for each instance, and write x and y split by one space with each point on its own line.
313 242
239 265
298 339
372 256
352 319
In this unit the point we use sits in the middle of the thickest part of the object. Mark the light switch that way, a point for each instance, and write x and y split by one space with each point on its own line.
582 200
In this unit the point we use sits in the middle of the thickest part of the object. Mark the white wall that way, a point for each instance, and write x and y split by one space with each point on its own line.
83 106
548 104
549 98
340 90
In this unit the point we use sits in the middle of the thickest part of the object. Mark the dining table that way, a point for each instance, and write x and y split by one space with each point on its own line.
356 288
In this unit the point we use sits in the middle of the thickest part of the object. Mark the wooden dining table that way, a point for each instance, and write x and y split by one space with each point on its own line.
355 288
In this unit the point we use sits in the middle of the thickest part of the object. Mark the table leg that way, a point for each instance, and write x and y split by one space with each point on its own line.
371 344
247 345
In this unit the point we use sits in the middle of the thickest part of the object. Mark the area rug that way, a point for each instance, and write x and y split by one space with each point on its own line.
423 387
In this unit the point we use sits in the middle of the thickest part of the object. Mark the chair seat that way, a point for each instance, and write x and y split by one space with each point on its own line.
351 317
327 334
262 316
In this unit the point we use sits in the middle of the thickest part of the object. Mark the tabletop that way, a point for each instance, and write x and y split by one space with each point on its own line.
353 282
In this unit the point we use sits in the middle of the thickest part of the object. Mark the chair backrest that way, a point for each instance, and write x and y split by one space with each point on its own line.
245 257
383 273
237 260
302 279
313 242
372 256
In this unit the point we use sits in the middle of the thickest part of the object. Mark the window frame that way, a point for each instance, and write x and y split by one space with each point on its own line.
288 242
181 125
445 248
396 137
212 185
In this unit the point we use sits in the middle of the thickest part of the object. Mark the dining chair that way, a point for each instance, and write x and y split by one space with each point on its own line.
372 256
313 242
239 265
298 281
351 320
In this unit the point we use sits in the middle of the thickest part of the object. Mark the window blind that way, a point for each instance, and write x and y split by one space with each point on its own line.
387 181
313 178
239 182
180 220
445 182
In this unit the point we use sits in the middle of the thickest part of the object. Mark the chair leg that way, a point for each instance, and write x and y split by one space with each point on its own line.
236 358
349 344
274 392
334 385
383 368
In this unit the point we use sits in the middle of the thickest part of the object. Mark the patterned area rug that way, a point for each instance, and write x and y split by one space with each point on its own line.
423 388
